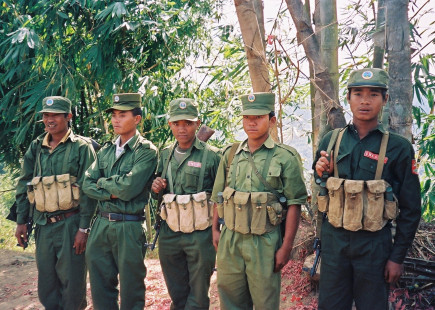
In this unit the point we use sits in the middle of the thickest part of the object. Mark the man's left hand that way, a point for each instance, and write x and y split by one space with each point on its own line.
393 271
282 256
80 242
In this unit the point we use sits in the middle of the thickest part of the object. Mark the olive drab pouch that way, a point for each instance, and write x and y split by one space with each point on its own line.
242 212
336 201
75 191
38 191
275 213
172 211
185 208
50 193
229 208
322 203
163 213
64 191
353 204
259 213
201 211
374 208
391 210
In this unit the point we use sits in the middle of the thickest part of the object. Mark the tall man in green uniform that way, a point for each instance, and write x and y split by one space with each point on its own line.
259 183
359 260
54 167
119 180
186 173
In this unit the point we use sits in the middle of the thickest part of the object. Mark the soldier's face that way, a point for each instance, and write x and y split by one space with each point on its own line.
366 103
124 122
56 123
184 131
257 126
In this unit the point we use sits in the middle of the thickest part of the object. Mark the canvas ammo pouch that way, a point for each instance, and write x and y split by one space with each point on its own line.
361 205
187 213
256 213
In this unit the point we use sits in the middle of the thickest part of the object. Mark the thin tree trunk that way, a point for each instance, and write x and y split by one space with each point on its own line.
259 10
379 37
399 69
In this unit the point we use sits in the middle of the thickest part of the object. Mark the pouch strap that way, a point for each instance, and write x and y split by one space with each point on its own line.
202 172
230 159
336 150
381 157
165 170
66 157
37 168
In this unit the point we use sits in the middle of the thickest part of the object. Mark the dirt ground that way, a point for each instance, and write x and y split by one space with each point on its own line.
18 285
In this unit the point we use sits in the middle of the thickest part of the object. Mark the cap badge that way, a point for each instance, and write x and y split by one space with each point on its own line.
49 102
116 98
367 75
183 105
251 98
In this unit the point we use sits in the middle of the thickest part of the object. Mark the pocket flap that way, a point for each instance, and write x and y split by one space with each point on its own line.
274 171
259 197
48 180
198 197
63 178
376 186
73 179
36 180
353 186
168 198
241 198
183 199
333 183
228 192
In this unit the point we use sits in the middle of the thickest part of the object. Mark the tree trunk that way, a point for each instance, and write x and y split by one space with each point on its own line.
322 79
254 47
399 69
379 37
259 10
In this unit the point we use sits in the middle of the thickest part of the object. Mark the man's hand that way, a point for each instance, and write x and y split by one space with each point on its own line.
324 164
80 241
282 256
216 235
393 271
158 185
21 234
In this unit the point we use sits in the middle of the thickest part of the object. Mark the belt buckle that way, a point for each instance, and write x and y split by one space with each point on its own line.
110 218
53 219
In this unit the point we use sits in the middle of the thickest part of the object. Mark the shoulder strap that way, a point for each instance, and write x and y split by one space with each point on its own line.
37 167
333 139
336 150
382 151
203 166
66 157
165 169
230 159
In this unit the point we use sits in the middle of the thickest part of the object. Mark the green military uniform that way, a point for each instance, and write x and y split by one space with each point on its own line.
188 259
61 272
353 262
116 243
246 260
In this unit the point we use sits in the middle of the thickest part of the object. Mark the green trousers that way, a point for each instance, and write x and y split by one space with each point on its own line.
187 262
117 248
245 276
353 268
61 272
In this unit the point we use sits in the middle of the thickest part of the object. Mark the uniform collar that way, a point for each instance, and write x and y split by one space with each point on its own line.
269 143
69 134
131 142
379 127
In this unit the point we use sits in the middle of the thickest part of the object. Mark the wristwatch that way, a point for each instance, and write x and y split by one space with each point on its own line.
85 230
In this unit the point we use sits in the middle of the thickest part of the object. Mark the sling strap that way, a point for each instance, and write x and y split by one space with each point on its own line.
165 170
230 159
202 172
381 158
337 148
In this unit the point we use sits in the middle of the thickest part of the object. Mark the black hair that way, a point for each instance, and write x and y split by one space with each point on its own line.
383 92
137 111
271 114
70 121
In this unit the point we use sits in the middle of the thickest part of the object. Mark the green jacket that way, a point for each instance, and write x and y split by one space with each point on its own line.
81 157
127 177
357 160
284 175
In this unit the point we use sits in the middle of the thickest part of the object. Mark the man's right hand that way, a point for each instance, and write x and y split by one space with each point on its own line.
21 234
325 163
158 185
216 235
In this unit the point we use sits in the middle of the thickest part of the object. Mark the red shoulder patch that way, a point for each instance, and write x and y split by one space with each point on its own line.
414 167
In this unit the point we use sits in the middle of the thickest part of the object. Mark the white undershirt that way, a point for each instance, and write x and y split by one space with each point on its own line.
120 149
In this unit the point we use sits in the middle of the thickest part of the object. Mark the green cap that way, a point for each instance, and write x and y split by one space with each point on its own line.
56 104
368 77
183 109
125 102
258 103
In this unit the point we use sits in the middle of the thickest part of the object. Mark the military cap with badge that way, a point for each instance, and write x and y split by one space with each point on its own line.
368 77
258 103
125 102
183 109
56 104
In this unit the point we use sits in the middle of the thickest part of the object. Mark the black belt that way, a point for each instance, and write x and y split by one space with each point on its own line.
118 217
61 217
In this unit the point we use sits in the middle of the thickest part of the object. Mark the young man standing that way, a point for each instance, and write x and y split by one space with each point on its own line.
54 167
186 173
259 183
371 168
119 180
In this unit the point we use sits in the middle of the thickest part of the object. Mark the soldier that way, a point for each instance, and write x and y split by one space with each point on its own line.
259 184
54 167
187 170
119 180
371 168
